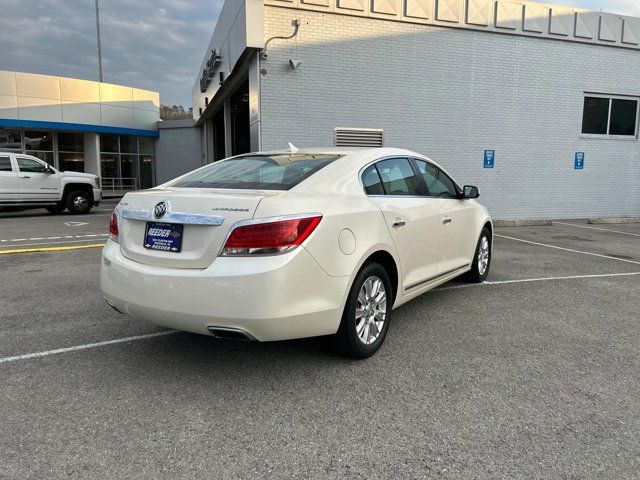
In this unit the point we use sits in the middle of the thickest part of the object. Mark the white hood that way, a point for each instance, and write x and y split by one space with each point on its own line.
83 176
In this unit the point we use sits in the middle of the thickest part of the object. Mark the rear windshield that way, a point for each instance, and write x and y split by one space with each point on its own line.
259 172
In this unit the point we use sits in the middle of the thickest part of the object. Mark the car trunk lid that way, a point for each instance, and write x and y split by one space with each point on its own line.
207 216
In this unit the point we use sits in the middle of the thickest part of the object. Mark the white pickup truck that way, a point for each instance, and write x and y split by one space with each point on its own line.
28 182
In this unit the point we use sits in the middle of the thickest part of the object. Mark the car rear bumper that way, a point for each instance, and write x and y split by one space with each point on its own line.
269 298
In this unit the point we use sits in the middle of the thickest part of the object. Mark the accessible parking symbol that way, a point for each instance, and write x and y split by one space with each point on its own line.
489 158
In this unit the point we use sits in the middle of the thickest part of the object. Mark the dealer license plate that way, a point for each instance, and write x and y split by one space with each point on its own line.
163 236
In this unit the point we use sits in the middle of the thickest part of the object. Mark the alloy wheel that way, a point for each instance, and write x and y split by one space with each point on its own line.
371 310
483 255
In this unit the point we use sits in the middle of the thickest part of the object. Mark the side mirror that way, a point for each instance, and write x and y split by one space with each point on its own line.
47 169
470 191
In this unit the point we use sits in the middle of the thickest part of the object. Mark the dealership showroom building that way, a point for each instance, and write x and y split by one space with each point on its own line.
536 104
78 125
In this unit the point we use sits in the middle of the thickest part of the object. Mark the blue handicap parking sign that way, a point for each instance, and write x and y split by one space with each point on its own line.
489 158
578 163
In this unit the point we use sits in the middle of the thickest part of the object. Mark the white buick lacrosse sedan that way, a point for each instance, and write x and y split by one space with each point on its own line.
290 244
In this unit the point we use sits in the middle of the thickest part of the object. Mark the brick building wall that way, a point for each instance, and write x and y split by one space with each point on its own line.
451 94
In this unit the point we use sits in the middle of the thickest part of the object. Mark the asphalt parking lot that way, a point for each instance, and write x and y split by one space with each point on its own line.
534 374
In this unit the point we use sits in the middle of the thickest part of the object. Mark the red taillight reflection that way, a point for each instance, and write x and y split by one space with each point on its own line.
113 227
270 237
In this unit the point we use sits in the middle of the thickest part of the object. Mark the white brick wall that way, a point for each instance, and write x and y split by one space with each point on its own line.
451 94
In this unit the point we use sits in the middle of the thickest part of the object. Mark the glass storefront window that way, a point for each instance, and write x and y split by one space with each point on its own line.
109 143
128 166
128 144
71 162
71 142
109 165
45 156
10 139
147 145
71 151
146 171
36 140
119 159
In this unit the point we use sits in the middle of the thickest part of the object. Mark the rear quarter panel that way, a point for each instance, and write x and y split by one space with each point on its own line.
346 215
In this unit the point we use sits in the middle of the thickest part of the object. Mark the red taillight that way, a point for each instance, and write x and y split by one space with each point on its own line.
269 237
113 228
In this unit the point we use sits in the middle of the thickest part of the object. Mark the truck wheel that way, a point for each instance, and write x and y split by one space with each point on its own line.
56 209
78 202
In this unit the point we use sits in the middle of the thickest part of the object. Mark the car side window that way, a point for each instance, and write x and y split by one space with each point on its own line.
398 177
438 183
26 165
5 164
372 182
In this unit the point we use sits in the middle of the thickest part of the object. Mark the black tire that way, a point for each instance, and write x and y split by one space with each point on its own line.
56 209
475 275
347 339
78 202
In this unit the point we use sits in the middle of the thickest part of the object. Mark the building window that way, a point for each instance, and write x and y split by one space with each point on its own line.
71 152
39 144
109 165
610 116
10 140
127 162
146 162
109 144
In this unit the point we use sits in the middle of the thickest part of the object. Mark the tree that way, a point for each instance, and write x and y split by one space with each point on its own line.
175 112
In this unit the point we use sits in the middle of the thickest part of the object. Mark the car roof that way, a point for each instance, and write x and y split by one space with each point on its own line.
341 151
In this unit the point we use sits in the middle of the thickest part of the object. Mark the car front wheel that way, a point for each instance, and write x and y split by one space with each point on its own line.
365 320
78 202
481 259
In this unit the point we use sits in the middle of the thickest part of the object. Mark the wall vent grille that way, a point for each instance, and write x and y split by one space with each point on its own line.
359 137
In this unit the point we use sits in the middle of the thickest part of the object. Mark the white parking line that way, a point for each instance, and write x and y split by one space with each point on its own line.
568 249
598 228
568 277
92 235
86 346
170 332
539 279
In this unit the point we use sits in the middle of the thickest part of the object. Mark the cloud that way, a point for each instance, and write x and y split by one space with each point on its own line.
152 44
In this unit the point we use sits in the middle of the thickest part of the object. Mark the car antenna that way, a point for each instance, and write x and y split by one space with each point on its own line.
292 147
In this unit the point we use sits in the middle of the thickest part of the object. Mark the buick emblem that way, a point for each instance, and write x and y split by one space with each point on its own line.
159 210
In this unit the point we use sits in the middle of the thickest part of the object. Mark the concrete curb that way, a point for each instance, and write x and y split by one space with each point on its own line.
605 220
522 223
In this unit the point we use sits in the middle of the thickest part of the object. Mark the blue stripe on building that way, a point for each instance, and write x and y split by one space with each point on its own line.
77 127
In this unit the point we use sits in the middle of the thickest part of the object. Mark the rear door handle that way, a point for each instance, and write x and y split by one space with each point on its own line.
446 220
25 176
399 223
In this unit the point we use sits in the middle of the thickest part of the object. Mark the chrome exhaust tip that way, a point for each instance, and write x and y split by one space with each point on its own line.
229 333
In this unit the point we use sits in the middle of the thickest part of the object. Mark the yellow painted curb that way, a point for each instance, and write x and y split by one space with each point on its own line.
51 249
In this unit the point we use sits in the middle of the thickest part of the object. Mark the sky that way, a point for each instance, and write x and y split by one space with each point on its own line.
152 44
